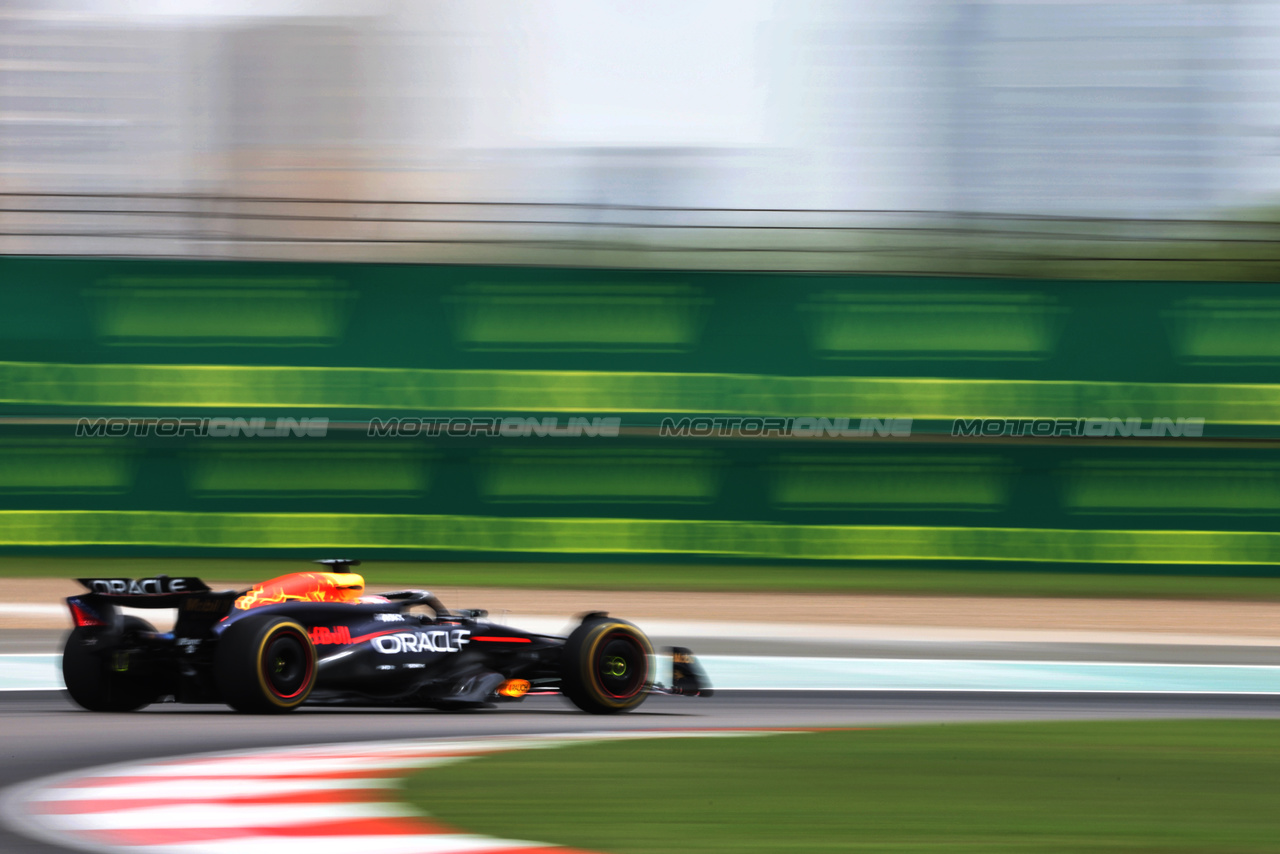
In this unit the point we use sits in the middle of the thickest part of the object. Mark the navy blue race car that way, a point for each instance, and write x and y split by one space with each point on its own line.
315 637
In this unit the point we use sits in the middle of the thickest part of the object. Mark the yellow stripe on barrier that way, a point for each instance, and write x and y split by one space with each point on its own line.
629 536
425 390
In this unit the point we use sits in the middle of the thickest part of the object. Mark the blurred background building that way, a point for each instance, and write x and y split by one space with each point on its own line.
1119 110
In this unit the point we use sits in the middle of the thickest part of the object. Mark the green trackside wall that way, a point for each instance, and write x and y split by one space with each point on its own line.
90 338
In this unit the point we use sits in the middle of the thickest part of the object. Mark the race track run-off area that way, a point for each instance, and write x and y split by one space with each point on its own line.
321 800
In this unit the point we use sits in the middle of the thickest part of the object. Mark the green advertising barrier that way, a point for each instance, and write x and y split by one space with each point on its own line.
1066 502
602 536
82 339
407 391
741 332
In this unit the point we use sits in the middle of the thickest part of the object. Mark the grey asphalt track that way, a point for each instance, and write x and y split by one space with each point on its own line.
42 733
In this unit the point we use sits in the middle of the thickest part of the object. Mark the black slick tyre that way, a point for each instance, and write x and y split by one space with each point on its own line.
265 665
100 677
605 666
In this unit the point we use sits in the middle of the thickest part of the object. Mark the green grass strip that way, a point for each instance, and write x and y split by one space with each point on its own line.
391 390
1162 786
761 540
594 575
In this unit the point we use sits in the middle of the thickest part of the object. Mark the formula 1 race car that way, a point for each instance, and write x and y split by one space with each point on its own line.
314 637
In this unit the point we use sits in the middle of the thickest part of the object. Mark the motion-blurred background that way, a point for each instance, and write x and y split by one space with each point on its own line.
912 210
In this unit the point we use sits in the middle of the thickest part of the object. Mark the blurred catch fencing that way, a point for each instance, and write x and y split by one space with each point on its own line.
638 236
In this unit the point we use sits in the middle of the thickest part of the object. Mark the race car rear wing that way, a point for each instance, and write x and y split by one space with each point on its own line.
196 603
160 591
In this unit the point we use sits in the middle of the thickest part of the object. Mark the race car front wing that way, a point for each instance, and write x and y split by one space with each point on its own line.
688 679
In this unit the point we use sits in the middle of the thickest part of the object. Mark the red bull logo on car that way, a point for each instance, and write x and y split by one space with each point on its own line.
321 635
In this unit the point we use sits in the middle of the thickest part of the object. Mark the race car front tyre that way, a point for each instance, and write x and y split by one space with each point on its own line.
102 678
265 665
605 666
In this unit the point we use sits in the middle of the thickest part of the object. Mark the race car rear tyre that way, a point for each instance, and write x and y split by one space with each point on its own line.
605 666
265 665
101 678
